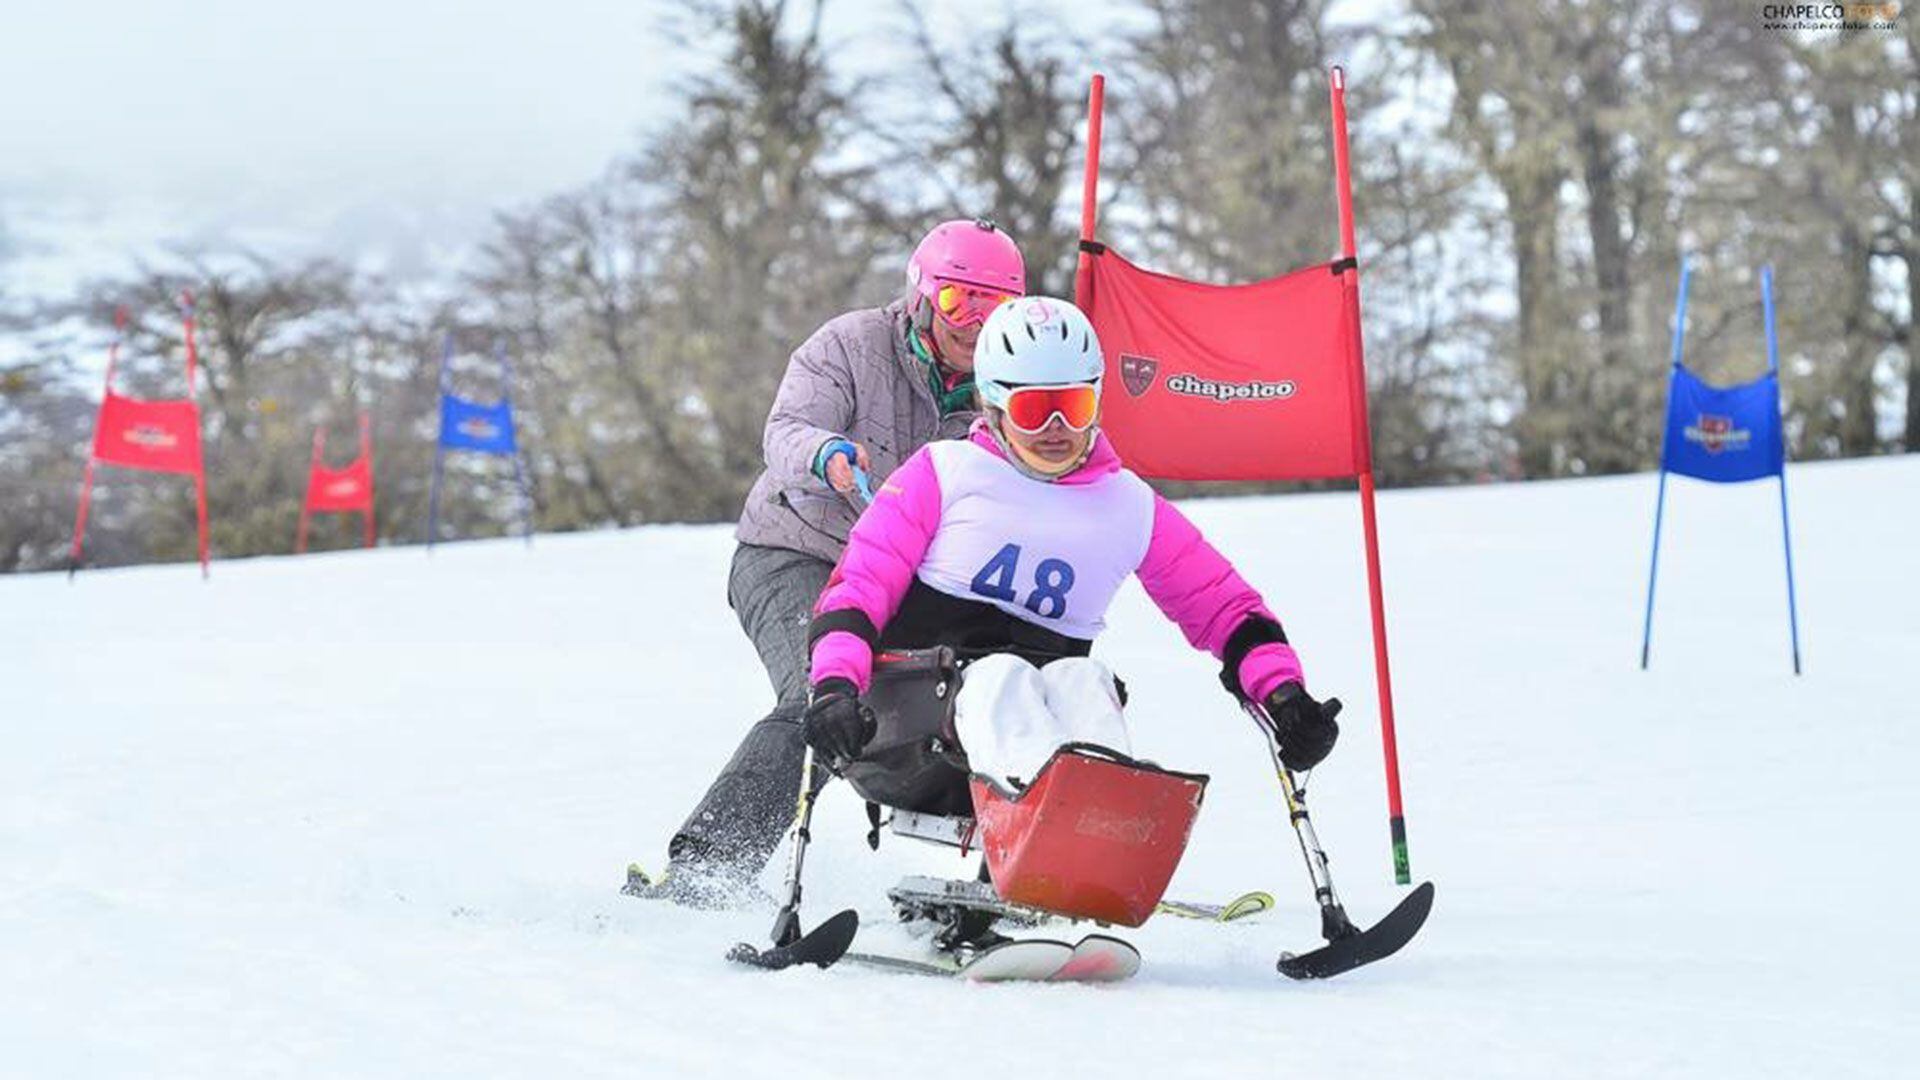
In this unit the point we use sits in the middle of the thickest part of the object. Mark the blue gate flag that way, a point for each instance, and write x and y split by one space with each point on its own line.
484 429
1723 434
468 425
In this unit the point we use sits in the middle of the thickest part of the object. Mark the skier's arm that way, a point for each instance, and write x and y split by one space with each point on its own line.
1196 587
813 409
883 553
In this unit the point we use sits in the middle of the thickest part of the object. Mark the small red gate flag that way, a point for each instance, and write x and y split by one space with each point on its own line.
347 489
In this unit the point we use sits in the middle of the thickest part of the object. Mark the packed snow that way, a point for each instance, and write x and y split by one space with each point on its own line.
366 813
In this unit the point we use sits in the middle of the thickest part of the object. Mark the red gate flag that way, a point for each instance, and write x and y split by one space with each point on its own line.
1265 381
153 436
345 490
1226 382
156 436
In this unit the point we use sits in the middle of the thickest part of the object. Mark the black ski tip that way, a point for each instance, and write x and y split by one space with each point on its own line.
1376 942
820 946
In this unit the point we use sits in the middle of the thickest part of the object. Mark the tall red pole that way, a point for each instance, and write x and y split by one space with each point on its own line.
193 354
1090 189
1363 454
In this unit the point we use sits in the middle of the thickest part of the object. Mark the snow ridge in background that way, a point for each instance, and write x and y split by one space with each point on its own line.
365 813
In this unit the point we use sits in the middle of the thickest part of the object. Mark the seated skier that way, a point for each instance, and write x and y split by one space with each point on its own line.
1009 545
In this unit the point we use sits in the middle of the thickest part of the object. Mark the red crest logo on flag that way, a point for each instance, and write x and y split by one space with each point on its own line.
477 428
1138 372
1715 430
1717 433
151 436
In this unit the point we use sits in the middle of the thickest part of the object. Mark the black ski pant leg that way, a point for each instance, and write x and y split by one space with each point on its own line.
740 821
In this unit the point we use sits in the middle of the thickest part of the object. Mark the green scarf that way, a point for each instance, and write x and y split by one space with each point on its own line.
951 398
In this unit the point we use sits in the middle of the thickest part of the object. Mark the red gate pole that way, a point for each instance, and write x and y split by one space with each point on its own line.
80 520
306 501
1396 820
86 480
1090 188
366 454
199 477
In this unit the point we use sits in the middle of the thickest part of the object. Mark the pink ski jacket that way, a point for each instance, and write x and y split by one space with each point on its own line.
957 517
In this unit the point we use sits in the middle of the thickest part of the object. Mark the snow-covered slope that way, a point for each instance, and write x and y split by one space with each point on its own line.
365 814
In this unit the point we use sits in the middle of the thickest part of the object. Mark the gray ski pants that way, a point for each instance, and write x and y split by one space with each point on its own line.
740 821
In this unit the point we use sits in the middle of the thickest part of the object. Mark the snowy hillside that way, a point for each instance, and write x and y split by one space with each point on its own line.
365 814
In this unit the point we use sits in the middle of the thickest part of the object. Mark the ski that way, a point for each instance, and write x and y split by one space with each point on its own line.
1095 958
1360 947
1098 958
1239 907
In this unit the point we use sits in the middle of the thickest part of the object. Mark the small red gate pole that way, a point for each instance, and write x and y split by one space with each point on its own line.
200 476
1090 188
1396 818
80 520
306 501
366 454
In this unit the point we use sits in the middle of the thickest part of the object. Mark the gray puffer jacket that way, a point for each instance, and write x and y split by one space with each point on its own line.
855 378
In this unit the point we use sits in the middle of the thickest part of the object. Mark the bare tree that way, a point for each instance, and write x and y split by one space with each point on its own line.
1003 143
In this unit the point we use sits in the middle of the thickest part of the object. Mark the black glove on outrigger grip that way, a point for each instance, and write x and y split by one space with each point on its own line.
837 725
1304 727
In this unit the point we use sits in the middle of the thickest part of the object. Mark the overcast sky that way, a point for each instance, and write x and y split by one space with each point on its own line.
384 130
319 124
260 99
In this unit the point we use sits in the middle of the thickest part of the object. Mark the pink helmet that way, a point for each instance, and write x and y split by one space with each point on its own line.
973 252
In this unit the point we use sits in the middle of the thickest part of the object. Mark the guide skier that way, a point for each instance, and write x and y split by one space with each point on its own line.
867 390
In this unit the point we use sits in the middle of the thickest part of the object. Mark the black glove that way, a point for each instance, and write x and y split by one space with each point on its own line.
1305 727
836 724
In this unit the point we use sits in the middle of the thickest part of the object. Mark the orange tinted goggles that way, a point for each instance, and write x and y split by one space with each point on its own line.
964 305
1031 408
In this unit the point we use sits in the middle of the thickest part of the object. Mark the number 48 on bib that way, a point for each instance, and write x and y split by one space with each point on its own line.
1052 580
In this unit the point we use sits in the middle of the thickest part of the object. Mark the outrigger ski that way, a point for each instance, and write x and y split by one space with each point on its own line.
825 943
1349 947
821 946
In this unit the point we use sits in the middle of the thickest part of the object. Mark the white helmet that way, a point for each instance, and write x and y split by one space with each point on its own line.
1034 341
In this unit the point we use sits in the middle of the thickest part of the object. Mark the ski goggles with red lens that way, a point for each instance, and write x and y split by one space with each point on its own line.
1032 408
966 305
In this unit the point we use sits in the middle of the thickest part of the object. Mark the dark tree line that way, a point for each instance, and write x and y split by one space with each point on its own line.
1526 181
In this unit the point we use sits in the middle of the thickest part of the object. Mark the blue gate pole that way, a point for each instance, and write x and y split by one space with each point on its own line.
519 471
1653 572
1786 533
439 449
433 500
1666 429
